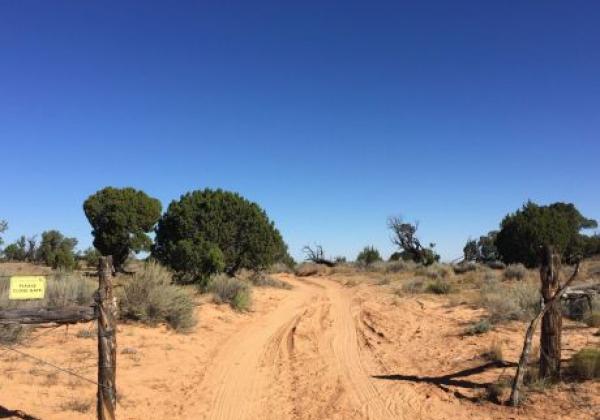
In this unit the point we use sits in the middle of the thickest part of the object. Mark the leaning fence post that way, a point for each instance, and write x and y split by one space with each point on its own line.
107 342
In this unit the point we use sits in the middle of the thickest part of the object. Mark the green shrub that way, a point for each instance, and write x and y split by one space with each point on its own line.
56 250
235 292
149 297
121 219
438 287
585 364
479 327
368 256
515 272
11 334
263 280
91 256
219 222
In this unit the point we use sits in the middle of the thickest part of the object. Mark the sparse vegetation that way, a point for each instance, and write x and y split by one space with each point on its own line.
260 279
585 364
438 287
368 256
150 297
519 301
480 327
237 293
404 236
515 272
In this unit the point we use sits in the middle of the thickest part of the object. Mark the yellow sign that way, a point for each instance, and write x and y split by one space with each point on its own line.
27 287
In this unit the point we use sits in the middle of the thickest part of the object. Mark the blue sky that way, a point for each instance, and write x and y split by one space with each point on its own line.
331 115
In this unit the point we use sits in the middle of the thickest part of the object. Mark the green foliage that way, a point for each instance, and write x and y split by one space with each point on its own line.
586 363
91 256
368 256
234 231
483 250
480 327
3 228
56 250
150 297
23 249
470 250
235 292
531 227
121 219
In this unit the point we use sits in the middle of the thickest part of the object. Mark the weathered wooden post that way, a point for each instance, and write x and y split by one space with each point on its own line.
107 342
550 339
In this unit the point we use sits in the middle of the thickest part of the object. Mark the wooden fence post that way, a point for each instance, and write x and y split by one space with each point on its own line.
107 342
552 321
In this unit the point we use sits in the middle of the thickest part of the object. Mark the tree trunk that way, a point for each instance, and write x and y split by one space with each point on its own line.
107 343
550 340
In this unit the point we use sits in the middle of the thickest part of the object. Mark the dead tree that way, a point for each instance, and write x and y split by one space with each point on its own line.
317 256
404 236
547 304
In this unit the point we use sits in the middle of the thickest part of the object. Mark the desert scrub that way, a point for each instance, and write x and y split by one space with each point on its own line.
150 297
414 286
263 280
310 269
438 287
592 319
480 327
464 267
585 364
235 292
13 333
515 272
494 352
519 301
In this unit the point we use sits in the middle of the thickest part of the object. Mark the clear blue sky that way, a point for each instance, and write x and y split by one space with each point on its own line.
331 115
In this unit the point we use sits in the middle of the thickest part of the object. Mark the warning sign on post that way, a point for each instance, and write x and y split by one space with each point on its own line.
27 287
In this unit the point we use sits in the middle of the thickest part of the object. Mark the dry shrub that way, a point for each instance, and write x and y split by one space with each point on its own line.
464 267
480 327
503 302
11 334
280 267
414 286
515 272
494 352
150 297
593 319
585 364
438 287
310 269
235 292
263 280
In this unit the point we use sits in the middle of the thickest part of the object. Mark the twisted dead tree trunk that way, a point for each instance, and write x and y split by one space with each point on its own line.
548 275
552 320
317 256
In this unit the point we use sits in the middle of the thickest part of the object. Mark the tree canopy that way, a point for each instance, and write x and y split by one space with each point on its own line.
208 231
523 233
121 218
56 250
404 236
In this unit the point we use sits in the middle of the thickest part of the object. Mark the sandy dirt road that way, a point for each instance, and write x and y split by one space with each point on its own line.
301 360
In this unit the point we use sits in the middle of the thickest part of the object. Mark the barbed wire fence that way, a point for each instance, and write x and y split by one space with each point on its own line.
69 300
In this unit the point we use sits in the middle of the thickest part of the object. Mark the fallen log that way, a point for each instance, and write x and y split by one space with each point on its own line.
69 315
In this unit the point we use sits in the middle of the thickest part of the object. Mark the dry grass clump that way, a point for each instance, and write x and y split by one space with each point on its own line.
585 364
262 280
503 302
414 286
494 352
310 269
515 272
77 405
480 327
235 292
438 287
434 271
464 267
13 334
150 297
592 319
280 267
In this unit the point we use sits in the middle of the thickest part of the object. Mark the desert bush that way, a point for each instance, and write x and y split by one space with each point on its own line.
519 301
495 265
368 256
515 272
280 267
263 280
121 219
414 286
150 297
398 266
532 226
464 267
438 287
310 269
221 222
235 292
585 364
12 333
91 256
480 327
56 250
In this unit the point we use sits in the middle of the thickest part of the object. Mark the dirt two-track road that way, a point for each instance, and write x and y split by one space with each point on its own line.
329 348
